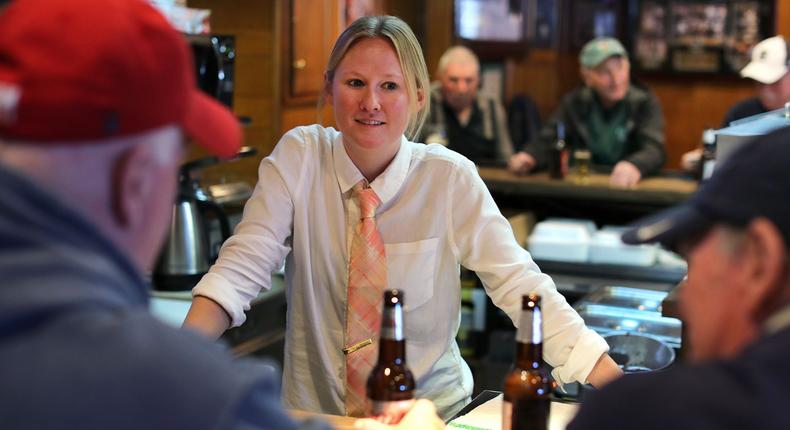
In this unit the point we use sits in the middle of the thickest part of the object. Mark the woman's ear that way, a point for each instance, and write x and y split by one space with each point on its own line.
327 92
420 98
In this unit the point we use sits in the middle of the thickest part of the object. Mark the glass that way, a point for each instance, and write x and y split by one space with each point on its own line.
581 161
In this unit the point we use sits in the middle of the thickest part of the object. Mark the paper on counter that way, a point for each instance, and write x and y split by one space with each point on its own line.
488 416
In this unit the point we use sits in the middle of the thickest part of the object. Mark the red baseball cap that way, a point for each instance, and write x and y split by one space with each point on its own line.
78 70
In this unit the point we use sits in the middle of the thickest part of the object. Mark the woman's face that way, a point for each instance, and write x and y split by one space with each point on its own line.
369 97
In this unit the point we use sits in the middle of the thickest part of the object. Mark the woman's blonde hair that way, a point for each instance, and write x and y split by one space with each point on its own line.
412 63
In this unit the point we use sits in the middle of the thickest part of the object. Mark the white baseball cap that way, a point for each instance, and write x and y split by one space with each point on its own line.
769 61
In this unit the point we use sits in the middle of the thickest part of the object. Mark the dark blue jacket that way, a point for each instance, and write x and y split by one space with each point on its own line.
751 391
79 349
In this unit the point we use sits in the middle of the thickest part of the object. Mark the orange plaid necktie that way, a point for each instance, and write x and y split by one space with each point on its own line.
367 279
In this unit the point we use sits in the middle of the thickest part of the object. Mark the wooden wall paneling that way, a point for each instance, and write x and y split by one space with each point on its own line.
305 22
438 32
412 12
783 17
309 50
252 23
692 104
536 76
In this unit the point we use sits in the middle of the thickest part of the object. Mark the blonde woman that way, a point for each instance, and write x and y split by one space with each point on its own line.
435 214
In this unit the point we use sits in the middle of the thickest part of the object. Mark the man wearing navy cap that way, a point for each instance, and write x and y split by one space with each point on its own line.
735 234
620 123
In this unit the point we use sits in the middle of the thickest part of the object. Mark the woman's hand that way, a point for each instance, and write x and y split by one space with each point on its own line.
604 372
421 416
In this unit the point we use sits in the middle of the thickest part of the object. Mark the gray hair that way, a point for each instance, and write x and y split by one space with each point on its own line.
457 54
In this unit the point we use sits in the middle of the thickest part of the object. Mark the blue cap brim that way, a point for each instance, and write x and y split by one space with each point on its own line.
668 227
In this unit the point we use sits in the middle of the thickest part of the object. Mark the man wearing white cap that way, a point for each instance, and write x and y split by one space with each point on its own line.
768 68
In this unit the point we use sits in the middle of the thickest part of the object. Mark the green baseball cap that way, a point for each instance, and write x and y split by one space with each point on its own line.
599 49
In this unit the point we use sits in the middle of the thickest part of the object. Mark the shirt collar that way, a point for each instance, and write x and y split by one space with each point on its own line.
778 321
386 185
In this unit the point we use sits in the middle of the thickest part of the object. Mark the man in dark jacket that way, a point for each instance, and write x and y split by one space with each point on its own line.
735 234
621 124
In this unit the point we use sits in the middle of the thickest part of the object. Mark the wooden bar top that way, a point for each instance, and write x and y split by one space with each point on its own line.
336 421
653 190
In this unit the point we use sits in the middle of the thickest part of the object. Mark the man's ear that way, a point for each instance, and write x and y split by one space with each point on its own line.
132 186
765 256
585 73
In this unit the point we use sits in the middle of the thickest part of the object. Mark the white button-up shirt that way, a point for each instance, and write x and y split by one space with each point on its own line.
436 212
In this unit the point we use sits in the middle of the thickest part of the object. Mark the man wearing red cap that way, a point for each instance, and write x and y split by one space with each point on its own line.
95 97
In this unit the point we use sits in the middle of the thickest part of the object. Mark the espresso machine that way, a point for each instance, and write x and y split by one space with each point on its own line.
188 251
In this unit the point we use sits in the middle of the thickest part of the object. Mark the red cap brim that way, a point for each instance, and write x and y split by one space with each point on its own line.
212 125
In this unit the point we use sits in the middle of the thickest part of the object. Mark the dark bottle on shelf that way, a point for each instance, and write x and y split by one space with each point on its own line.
558 166
390 387
526 400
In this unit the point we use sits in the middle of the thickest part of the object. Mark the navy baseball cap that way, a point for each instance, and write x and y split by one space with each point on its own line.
753 182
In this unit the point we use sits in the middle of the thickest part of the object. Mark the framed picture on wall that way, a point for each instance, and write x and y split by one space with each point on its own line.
744 22
702 36
542 18
697 35
490 20
494 29
650 45
594 18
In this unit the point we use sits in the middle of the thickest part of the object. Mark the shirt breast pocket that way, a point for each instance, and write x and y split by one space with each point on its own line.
411 268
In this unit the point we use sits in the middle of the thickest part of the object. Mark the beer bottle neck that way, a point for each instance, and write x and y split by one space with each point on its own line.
392 345
529 355
529 339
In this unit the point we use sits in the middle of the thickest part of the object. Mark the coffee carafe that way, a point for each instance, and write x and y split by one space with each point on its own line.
188 251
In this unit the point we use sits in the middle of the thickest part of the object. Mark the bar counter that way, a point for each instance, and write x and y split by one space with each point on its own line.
591 198
483 413
336 421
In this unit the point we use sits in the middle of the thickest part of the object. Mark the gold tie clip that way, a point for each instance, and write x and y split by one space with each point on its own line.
357 346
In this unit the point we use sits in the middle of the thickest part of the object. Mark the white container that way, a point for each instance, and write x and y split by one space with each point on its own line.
561 240
606 247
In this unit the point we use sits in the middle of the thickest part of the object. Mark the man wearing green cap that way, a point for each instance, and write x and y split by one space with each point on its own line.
619 123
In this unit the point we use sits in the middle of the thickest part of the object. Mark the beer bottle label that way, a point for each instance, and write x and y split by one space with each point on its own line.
529 327
392 324
389 412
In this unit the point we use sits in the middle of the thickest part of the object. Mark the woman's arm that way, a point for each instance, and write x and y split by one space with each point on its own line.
485 244
207 317
604 372
257 247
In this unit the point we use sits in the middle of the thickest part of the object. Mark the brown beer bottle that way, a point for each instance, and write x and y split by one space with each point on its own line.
390 387
558 162
526 400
